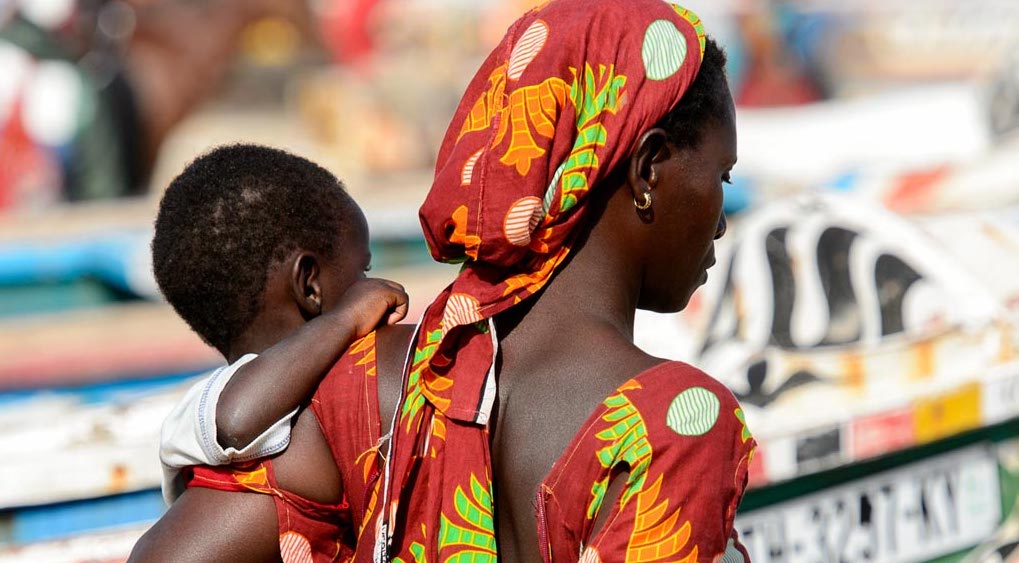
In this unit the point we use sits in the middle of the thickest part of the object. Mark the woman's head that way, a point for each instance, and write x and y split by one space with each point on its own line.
676 170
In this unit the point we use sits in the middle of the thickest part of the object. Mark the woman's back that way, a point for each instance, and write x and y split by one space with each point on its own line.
584 425
551 379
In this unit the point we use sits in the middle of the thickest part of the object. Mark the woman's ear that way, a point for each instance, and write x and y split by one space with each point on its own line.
642 176
305 284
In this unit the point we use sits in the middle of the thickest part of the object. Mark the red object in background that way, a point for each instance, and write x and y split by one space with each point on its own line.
912 191
773 76
875 435
776 87
346 30
27 170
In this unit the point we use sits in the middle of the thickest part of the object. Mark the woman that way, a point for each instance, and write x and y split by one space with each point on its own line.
580 180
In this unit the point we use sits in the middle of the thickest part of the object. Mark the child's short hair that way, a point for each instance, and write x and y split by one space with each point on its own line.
228 219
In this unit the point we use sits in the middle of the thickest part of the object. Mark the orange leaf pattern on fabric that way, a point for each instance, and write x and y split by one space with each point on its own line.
438 431
488 105
256 480
536 106
530 107
532 280
365 347
460 236
432 386
655 536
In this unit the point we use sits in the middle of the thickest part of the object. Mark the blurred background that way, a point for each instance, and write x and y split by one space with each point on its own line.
865 305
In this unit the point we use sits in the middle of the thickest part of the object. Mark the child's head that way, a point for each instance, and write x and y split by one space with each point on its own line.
243 221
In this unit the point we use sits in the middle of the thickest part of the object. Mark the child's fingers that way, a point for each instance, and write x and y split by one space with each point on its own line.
397 314
392 294
398 307
395 293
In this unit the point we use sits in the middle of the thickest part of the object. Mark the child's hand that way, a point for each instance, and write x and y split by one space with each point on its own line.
372 302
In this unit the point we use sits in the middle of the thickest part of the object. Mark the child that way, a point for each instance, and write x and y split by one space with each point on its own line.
264 255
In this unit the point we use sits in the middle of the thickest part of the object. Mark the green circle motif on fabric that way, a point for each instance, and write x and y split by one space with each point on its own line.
693 412
664 50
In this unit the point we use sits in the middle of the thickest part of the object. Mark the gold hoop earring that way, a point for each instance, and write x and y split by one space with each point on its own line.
645 205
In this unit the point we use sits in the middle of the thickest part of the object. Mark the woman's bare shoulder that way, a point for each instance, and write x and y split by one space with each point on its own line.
392 344
394 340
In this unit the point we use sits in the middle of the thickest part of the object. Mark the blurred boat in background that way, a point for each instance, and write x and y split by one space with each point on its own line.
874 354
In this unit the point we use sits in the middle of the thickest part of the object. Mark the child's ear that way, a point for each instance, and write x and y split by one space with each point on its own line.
305 284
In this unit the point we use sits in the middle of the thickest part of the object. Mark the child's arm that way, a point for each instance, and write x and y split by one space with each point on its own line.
238 413
272 386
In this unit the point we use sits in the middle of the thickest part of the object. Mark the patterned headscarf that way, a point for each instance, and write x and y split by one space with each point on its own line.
559 104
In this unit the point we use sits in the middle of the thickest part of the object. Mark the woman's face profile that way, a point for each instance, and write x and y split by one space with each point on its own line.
688 216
